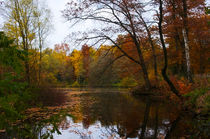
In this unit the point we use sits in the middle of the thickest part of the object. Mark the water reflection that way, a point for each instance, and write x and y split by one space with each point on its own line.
102 114
115 114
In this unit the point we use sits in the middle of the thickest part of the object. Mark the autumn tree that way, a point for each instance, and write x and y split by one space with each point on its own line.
56 65
77 62
200 44
24 25
118 16
42 28
62 48
187 5
179 30
127 68
61 54
186 39
148 27
102 69
86 59
164 70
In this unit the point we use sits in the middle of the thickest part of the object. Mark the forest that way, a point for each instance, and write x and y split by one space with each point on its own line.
139 69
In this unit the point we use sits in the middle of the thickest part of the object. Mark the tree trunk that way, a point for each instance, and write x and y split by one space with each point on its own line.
40 66
173 127
164 70
153 54
40 54
153 48
141 58
23 30
144 69
155 62
187 54
176 36
27 68
186 40
156 122
146 117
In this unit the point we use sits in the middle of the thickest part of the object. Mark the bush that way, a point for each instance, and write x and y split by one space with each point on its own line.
15 95
207 103
195 95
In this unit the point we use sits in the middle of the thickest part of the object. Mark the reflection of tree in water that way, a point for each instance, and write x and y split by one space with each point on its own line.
123 115
120 115
189 126
39 127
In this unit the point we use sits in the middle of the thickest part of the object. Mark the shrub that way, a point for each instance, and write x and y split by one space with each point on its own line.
194 95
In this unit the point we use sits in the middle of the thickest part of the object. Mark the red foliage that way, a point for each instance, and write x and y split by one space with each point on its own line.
63 47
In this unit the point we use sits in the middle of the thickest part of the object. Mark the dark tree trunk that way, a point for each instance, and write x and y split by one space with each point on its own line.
153 48
141 58
138 44
153 54
156 122
146 117
176 36
27 68
155 61
173 126
144 69
164 70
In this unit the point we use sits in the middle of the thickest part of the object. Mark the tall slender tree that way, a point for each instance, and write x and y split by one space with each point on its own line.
186 39
24 22
43 28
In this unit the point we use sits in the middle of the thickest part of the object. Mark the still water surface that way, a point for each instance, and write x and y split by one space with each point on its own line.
114 113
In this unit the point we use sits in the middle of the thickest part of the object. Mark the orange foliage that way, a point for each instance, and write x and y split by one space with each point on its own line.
182 85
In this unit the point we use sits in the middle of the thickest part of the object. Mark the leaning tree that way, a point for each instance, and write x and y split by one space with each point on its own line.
109 19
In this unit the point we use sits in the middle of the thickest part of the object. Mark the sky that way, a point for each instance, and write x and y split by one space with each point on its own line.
60 26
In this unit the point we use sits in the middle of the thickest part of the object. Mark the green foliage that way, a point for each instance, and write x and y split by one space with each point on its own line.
51 78
127 82
206 104
75 84
11 107
207 10
14 95
56 67
10 56
194 95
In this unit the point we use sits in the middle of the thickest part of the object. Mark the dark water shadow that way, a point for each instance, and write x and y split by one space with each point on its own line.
50 96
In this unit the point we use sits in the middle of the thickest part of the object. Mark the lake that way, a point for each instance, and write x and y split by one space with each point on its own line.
114 113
